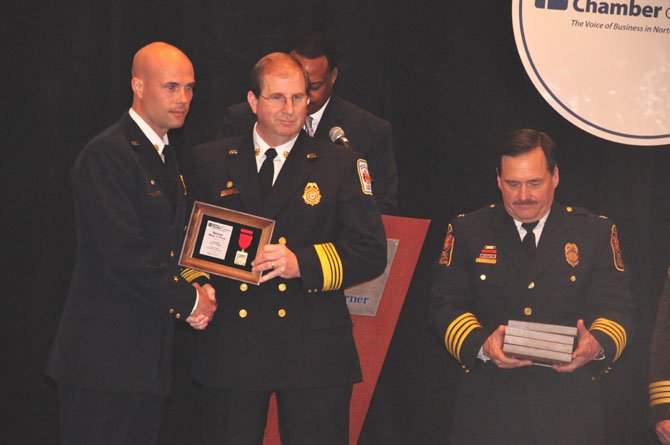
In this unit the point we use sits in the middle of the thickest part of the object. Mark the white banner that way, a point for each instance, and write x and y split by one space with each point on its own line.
603 65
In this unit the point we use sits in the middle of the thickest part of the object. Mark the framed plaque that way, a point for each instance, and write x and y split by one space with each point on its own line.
224 242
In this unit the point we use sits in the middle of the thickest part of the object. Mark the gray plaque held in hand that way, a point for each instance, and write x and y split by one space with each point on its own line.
541 343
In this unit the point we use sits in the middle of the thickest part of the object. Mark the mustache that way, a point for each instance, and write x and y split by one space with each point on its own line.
528 202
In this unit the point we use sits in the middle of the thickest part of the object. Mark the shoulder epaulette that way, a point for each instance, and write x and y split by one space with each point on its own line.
577 211
484 210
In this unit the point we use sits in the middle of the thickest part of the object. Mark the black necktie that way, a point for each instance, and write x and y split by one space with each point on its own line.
529 240
170 175
267 172
169 158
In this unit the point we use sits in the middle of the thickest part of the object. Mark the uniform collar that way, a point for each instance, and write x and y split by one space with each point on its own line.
283 150
156 140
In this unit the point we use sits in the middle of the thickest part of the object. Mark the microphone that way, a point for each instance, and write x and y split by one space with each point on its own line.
336 135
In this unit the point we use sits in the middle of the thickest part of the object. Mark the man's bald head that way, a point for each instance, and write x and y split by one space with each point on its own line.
152 56
162 83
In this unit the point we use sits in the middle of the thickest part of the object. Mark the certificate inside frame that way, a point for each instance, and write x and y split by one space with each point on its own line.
219 240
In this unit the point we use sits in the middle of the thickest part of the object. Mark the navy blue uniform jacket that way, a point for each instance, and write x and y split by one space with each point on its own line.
291 333
370 135
126 292
484 280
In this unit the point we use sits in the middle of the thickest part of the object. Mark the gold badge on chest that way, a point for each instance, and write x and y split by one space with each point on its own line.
572 254
312 194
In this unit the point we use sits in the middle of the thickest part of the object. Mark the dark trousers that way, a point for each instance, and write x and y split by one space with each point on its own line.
90 417
306 416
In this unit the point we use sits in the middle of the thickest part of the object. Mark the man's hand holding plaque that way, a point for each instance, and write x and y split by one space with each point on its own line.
588 348
493 349
278 261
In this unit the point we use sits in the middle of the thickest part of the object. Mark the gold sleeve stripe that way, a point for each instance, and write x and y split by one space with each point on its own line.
457 331
612 333
659 392
616 332
473 325
331 265
615 335
191 274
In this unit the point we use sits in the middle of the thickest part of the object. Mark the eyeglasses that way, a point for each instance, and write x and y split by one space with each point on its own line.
279 100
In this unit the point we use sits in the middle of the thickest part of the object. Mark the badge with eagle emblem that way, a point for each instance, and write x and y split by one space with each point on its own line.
312 194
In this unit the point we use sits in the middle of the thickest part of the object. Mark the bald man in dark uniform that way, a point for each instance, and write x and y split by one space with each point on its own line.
112 352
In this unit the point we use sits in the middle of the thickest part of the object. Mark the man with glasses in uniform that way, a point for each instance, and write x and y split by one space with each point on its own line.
292 334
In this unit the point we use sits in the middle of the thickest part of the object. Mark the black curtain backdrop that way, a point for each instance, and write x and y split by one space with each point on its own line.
446 74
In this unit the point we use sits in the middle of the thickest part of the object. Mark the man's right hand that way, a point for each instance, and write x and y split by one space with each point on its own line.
493 350
663 431
205 309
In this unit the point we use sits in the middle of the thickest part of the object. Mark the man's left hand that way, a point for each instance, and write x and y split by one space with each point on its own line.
588 348
276 260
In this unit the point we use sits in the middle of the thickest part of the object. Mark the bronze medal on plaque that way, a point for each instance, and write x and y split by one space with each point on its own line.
244 242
